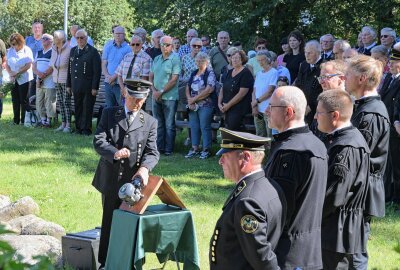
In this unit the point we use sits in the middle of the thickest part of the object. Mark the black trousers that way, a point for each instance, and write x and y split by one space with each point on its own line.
234 119
334 260
394 149
84 102
110 203
19 98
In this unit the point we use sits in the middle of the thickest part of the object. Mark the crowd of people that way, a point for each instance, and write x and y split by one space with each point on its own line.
332 109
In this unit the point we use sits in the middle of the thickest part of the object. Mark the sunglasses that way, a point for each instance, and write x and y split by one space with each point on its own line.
45 38
134 44
384 36
229 55
197 46
165 45
81 37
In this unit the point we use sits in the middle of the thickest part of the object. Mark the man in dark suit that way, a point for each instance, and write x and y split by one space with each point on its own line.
307 79
83 79
348 168
370 116
327 42
390 94
298 163
252 220
368 37
126 141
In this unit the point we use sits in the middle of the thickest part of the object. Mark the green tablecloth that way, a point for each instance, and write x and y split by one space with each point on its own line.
161 229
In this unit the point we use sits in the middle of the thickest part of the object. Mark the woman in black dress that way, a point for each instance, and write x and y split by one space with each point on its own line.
235 98
293 59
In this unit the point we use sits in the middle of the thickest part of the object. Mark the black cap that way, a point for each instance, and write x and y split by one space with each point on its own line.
395 54
235 140
137 88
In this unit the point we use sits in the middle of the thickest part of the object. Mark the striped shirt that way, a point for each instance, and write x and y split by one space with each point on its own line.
140 68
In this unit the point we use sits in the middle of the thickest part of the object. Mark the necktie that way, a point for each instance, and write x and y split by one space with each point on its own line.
130 118
129 74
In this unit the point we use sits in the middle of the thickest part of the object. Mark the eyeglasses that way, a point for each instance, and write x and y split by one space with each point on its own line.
196 46
318 113
119 33
45 38
81 37
165 45
327 77
384 36
134 44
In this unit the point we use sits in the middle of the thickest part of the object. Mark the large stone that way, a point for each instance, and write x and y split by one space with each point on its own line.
43 227
22 207
4 201
33 225
29 246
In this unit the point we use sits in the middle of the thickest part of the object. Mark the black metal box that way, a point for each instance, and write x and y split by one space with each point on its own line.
80 250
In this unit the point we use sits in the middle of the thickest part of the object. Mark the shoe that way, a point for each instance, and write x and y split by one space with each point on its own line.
187 142
60 128
205 154
66 130
192 153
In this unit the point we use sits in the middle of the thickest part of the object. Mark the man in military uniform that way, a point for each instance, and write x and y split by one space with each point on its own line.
348 170
371 118
248 230
126 141
298 163
83 79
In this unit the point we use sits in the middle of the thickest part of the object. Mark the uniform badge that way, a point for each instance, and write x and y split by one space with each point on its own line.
141 117
240 188
339 157
285 165
249 223
364 124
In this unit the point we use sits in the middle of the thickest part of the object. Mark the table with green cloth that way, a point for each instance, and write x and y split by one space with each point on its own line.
165 230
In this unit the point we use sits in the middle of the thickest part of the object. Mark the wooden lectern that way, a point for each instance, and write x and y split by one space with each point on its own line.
156 186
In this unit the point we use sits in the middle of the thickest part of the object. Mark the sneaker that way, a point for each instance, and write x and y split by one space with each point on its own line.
192 153
60 128
67 130
205 154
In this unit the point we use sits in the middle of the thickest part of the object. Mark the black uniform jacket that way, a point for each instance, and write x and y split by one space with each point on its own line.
298 162
84 69
390 93
307 81
371 118
113 134
248 230
346 191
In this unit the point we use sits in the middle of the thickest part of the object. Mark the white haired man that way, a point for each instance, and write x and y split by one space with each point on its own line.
326 42
368 37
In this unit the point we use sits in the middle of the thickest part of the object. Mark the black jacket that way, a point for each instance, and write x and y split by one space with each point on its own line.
372 120
298 162
113 134
346 191
84 69
307 81
248 230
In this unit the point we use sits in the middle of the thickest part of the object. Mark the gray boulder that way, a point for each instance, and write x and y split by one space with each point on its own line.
33 225
29 246
4 201
22 207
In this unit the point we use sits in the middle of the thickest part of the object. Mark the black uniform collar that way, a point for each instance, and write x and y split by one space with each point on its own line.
367 99
286 134
330 137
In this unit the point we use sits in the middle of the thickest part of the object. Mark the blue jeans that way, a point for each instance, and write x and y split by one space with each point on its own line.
200 125
164 111
113 94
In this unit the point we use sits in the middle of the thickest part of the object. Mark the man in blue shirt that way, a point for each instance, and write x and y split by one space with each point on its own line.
112 56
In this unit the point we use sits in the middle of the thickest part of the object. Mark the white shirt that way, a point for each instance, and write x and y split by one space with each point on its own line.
16 60
262 82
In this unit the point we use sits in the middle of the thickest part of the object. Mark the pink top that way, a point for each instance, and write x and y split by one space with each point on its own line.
59 62
279 59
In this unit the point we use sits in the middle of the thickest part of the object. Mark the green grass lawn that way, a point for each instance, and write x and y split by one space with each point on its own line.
56 170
